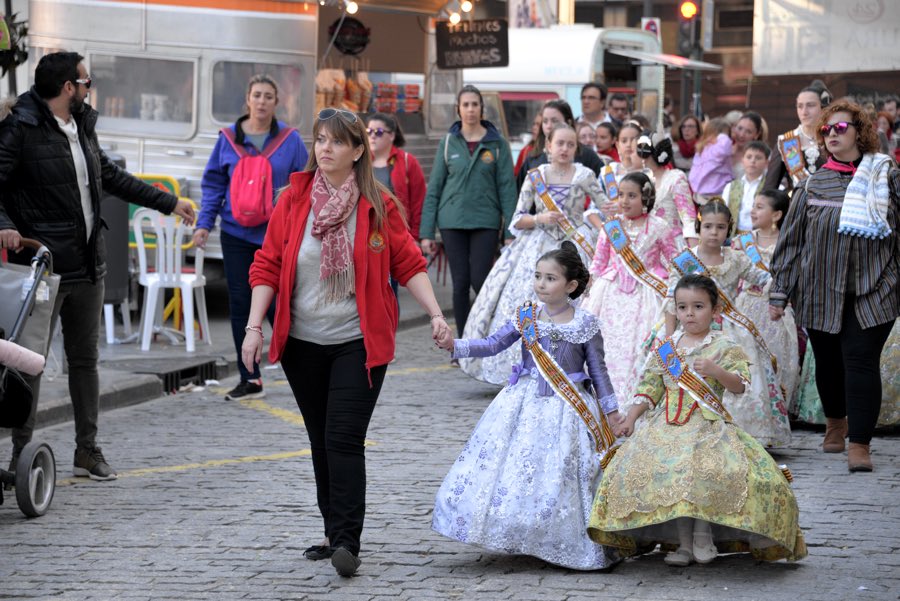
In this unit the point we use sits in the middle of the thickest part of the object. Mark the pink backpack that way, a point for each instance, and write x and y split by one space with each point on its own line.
252 200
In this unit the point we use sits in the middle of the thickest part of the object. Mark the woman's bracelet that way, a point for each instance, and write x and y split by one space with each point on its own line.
433 317
257 329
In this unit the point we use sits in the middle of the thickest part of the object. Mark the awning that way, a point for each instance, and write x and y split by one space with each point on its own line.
422 7
669 60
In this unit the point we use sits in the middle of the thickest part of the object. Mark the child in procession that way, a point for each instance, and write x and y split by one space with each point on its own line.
537 229
625 306
761 410
767 214
691 479
740 194
525 480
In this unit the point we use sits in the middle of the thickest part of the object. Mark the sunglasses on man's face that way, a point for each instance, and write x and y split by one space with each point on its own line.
378 131
840 128
86 82
346 116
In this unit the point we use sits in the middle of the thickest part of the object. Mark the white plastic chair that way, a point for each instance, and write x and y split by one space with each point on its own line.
172 236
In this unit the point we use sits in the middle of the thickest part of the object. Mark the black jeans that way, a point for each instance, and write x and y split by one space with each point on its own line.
848 375
332 389
78 306
237 256
470 254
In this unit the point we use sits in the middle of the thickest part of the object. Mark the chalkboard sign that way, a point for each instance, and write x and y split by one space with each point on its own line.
471 44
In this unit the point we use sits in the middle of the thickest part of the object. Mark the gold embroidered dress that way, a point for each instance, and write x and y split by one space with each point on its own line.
687 462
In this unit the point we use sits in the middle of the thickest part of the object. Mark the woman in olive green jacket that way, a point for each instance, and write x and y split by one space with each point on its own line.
471 198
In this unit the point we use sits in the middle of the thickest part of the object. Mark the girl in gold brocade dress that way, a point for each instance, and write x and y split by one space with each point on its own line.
689 478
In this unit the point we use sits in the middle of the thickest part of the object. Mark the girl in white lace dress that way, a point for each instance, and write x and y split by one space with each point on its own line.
769 209
577 193
525 480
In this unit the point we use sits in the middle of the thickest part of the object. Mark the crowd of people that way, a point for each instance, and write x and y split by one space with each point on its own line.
658 305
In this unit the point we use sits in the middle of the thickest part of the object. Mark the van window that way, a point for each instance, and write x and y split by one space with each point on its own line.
144 96
229 90
520 109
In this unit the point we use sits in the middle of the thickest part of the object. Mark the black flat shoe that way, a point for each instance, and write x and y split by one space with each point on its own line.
344 562
317 552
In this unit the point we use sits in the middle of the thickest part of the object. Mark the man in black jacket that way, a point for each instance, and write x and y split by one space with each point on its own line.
52 176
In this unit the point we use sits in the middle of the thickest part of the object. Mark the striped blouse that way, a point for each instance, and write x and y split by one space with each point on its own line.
812 262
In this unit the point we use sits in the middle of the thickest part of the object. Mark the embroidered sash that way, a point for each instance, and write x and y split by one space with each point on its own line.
566 224
622 245
687 263
792 155
610 183
752 251
604 439
688 379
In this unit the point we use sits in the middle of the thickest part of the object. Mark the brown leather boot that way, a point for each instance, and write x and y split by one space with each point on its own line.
835 433
858 458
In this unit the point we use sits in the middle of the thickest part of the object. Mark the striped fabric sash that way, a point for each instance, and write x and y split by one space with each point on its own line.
752 251
688 263
688 379
604 439
622 245
566 224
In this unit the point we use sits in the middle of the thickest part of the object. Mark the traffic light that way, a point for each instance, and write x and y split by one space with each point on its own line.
688 26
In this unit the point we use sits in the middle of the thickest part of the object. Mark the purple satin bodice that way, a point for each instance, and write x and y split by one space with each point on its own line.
572 357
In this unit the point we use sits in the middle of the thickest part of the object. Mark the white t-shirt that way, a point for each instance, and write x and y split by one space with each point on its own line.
81 171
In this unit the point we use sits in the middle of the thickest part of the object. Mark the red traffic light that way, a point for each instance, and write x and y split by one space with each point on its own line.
688 10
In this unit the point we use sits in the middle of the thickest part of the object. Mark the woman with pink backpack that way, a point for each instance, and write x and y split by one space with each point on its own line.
250 162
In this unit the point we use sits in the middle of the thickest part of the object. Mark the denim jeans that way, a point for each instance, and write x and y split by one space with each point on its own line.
237 256
331 387
78 307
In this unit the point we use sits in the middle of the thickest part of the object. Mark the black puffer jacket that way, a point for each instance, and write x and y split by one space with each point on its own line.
39 194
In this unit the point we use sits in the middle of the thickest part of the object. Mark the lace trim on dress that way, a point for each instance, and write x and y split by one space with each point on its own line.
581 329
461 348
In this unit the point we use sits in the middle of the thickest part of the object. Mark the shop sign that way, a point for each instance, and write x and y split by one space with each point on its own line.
472 44
352 37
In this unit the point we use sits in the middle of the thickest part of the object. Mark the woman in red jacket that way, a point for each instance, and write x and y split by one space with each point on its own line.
333 240
397 170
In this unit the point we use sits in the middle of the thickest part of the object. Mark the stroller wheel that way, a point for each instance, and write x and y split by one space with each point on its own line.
35 479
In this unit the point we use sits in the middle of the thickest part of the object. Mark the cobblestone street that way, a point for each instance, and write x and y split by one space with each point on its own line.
216 500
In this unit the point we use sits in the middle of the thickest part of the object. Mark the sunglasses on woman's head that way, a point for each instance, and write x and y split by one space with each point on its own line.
839 128
378 131
328 113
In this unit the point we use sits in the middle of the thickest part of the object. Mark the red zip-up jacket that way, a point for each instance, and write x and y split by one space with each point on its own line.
376 253
408 182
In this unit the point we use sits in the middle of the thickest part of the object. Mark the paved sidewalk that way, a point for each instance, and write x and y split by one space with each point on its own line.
216 500
121 386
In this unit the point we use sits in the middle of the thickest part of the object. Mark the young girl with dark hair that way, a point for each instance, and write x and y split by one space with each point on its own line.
537 228
691 478
624 304
761 410
767 214
532 448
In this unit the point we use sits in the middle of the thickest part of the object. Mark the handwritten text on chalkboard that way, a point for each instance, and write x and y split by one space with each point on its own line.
468 44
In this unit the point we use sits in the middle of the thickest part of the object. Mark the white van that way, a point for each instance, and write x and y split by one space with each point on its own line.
167 78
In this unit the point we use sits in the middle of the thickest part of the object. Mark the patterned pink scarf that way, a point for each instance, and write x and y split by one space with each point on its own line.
331 208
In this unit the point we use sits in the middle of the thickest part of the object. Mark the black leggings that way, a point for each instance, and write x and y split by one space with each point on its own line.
848 373
470 254
332 389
